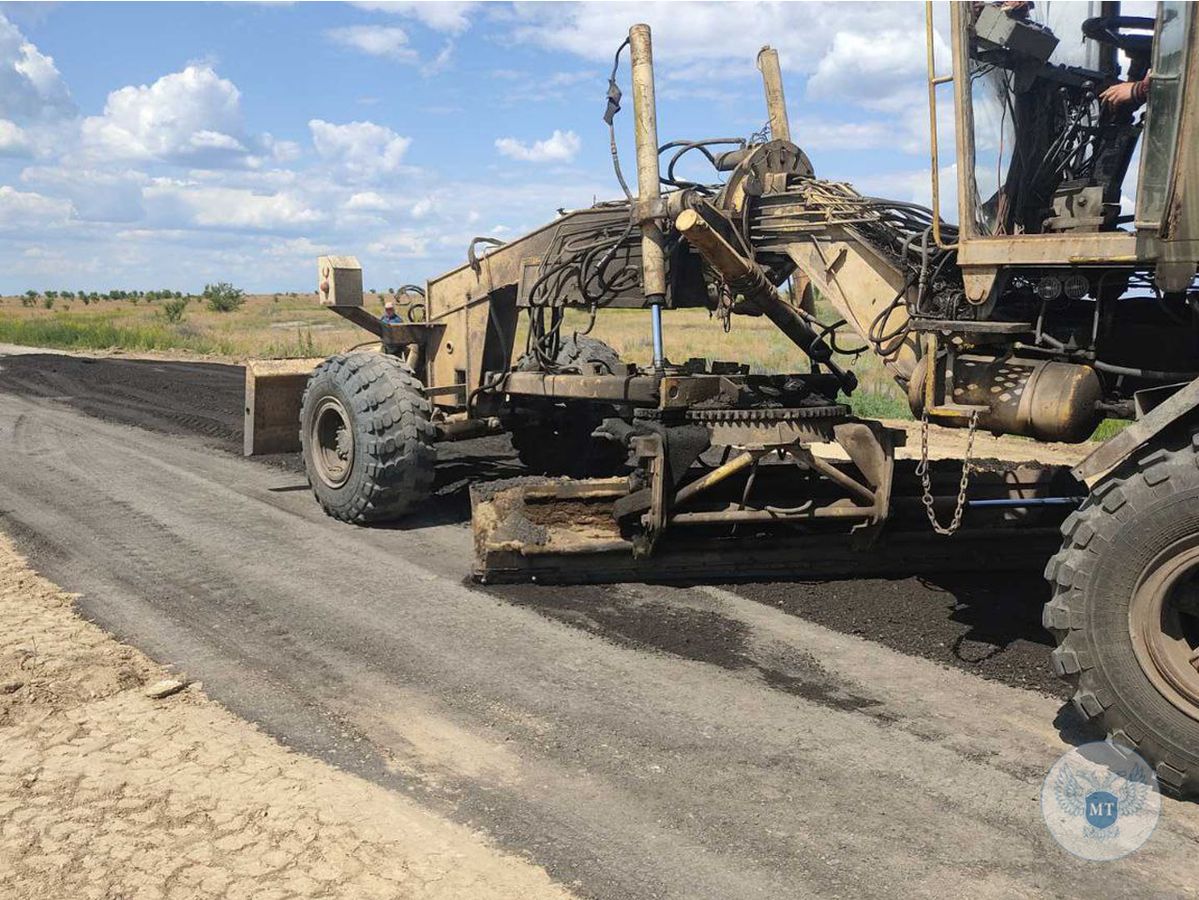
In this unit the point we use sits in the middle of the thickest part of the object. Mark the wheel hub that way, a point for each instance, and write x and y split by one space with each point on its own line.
332 440
1163 620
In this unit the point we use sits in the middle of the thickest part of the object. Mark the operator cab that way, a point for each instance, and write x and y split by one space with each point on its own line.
1040 152
1076 231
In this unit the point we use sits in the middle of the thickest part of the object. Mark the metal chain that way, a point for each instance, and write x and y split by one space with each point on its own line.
926 478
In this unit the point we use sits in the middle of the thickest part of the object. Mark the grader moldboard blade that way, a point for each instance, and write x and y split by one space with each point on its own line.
562 531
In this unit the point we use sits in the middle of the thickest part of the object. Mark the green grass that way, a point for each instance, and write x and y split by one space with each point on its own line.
878 406
1109 428
264 328
66 332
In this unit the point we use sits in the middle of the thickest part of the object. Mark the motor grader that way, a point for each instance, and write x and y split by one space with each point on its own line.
1062 296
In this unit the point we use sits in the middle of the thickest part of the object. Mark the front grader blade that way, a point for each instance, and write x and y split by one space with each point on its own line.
563 531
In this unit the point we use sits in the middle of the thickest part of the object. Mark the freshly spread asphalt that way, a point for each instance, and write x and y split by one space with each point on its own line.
764 740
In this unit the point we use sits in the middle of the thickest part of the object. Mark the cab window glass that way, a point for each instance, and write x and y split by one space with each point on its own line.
1047 157
1161 122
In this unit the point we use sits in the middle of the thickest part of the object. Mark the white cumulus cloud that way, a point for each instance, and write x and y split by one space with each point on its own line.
390 42
24 211
31 87
882 70
405 244
867 54
367 201
281 151
561 146
421 208
211 206
359 149
448 15
97 195
193 116
13 139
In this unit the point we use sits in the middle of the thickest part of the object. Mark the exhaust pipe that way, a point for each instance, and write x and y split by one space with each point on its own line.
776 103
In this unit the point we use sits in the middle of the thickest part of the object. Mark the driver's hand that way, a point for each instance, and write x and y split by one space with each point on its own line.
1126 93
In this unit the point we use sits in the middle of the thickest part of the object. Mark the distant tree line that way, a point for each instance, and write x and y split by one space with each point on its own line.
219 297
48 298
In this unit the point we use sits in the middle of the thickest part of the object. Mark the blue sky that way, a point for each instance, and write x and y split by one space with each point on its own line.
171 144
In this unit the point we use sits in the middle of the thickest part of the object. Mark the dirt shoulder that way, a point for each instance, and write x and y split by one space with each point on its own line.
950 443
107 793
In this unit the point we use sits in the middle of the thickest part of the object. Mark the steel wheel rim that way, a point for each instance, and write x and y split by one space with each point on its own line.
332 440
1165 635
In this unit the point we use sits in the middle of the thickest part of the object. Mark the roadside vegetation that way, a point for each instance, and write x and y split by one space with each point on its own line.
223 297
173 310
225 322
221 321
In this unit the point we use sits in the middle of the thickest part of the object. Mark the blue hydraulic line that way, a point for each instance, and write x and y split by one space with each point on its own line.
656 320
1039 501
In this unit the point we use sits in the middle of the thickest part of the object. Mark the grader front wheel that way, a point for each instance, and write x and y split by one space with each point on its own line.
366 437
1125 610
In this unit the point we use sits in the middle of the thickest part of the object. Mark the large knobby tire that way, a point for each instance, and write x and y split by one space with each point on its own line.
560 441
1125 609
367 438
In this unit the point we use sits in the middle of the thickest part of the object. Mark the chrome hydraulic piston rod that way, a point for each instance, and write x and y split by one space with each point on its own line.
653 257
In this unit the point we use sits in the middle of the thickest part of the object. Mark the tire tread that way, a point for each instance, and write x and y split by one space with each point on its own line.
390 406
1087 533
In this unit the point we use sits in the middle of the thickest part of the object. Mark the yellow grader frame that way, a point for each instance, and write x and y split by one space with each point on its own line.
1047 308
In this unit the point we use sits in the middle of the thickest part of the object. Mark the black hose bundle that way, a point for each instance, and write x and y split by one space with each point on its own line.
585 265
904 233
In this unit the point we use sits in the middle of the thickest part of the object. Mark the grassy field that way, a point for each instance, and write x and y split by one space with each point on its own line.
267 325
295 325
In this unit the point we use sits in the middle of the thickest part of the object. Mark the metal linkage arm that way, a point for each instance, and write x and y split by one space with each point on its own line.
746 277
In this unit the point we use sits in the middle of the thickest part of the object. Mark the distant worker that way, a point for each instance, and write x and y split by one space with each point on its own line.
389 316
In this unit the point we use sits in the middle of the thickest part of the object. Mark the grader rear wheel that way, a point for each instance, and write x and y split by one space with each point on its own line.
1164 620
1125 610
366 437
559 441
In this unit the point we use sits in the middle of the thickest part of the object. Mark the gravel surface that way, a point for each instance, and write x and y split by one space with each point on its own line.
633 740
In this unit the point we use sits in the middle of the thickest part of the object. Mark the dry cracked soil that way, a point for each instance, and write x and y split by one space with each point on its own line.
107 793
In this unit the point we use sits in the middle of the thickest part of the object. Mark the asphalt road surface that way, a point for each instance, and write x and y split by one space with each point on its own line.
771 740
